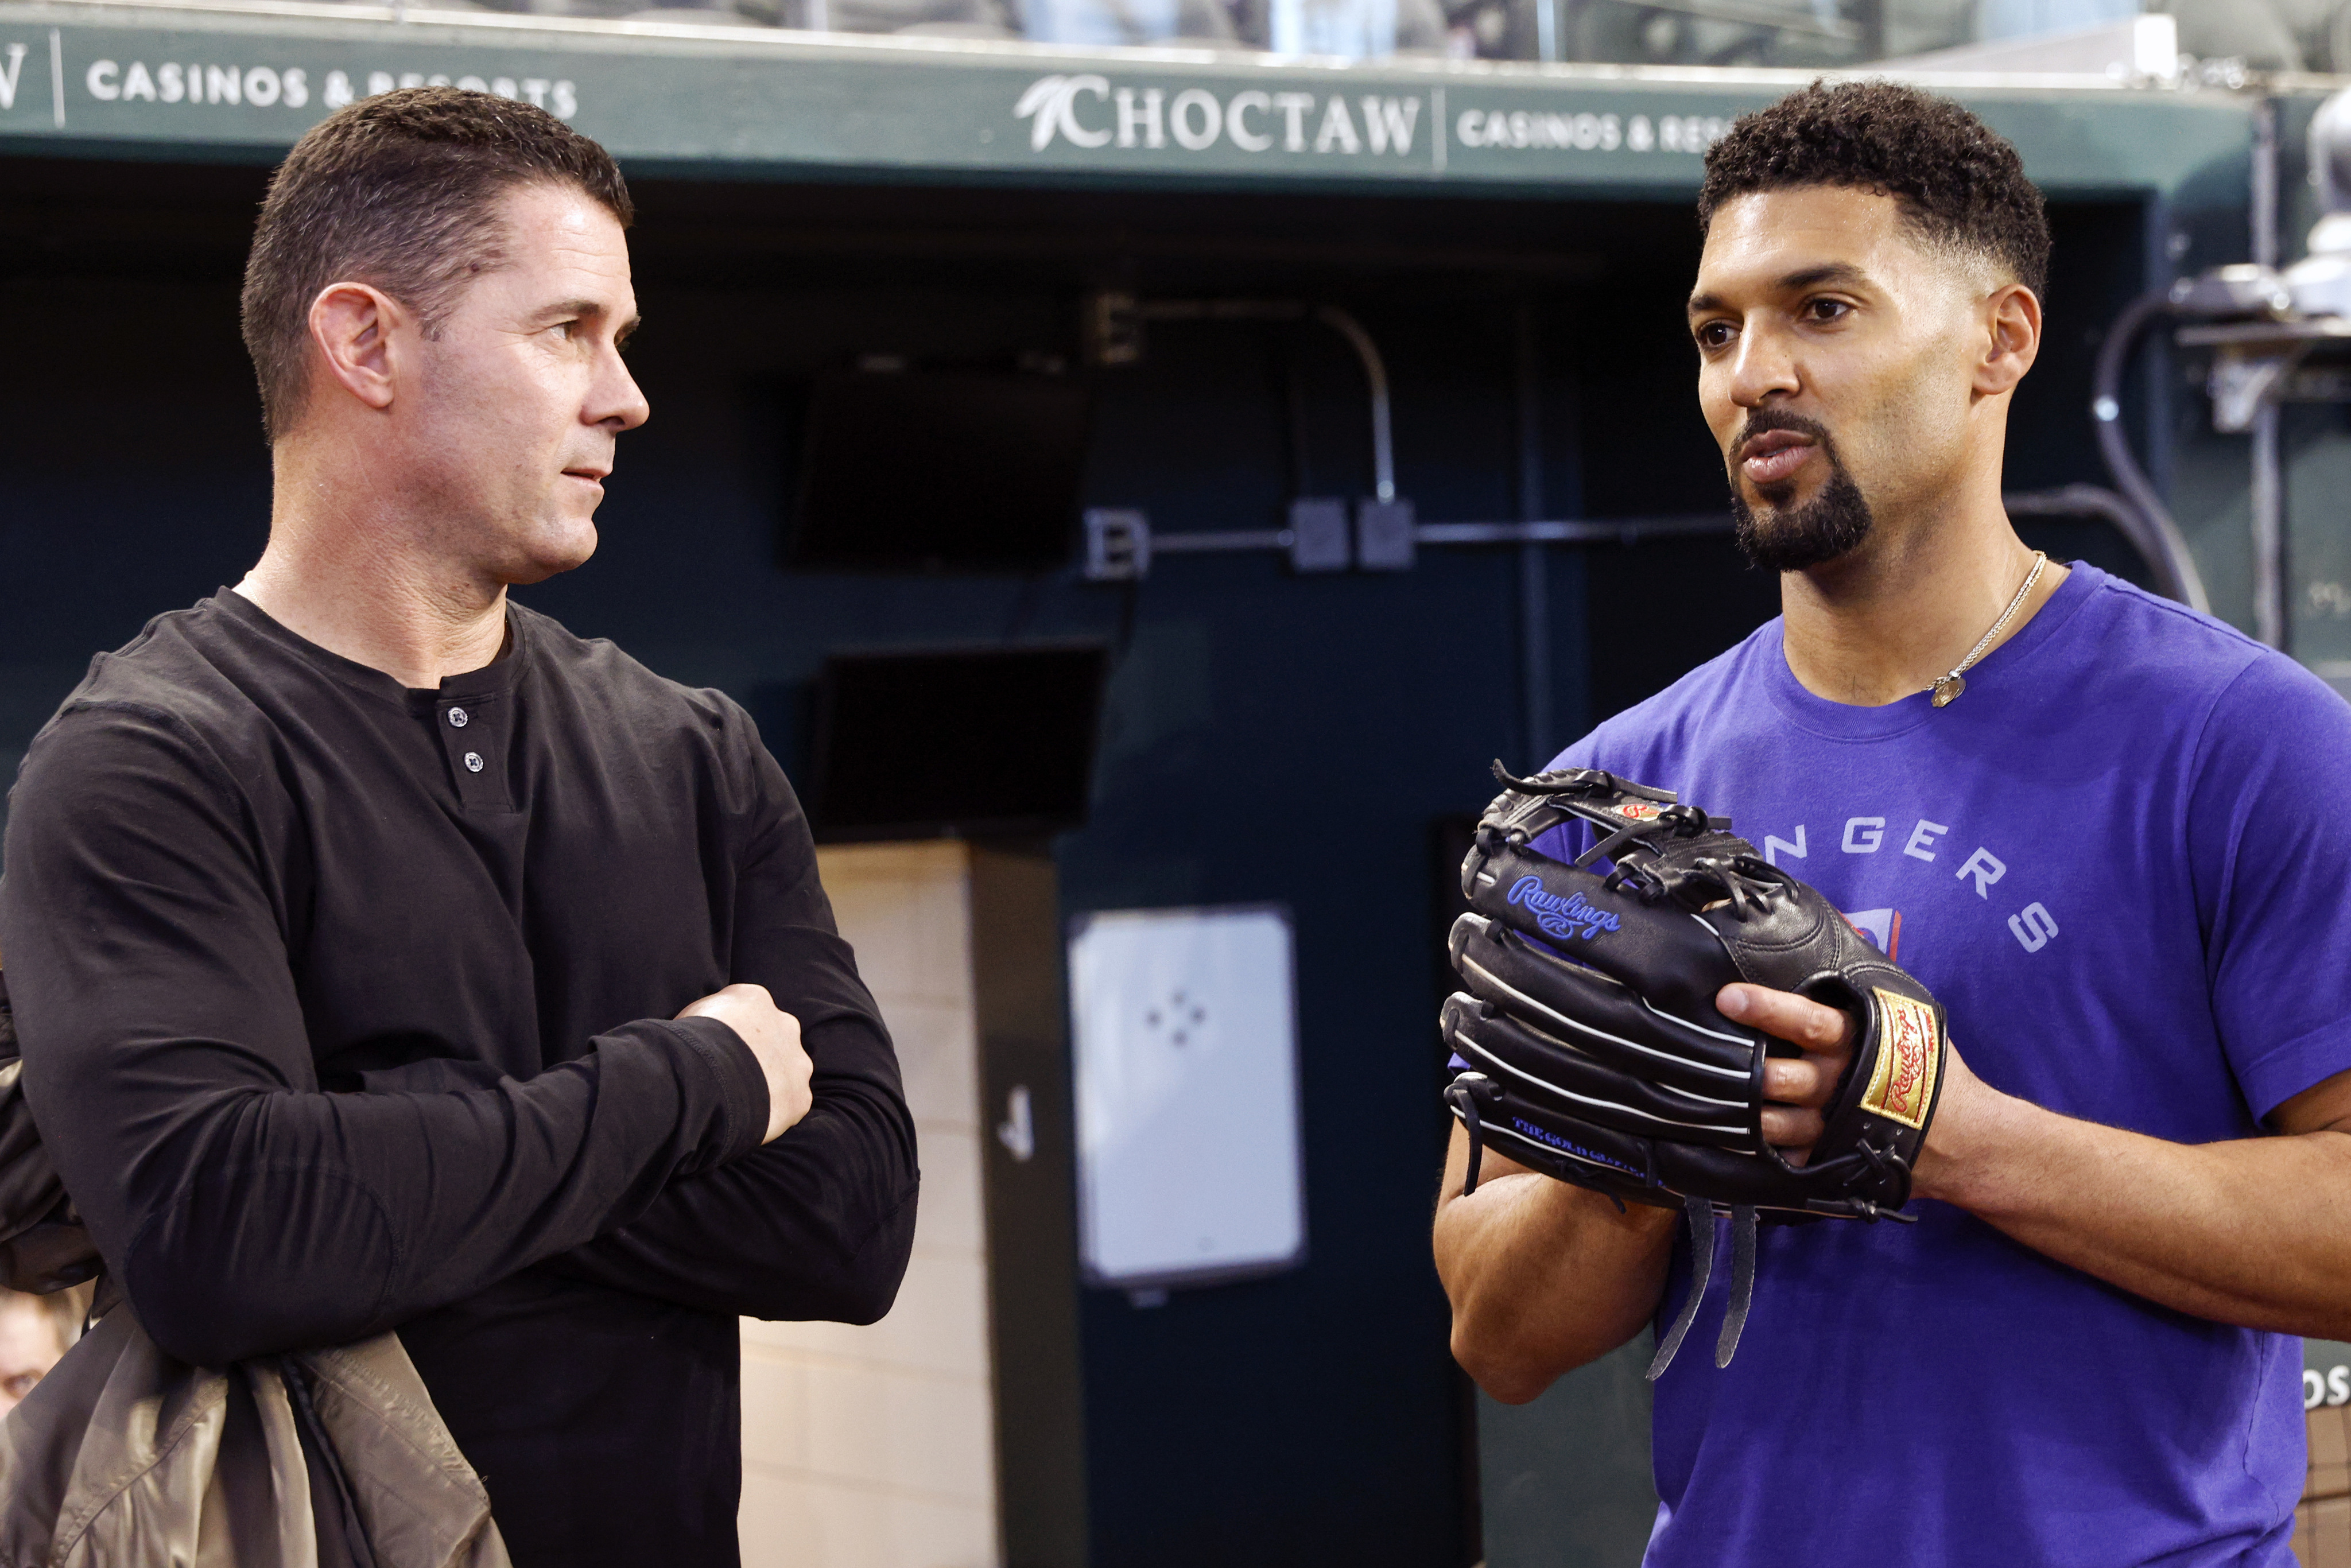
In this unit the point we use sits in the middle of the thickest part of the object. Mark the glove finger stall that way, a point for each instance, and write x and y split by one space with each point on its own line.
1578 1152
1601 1017
1663 1171
1557 1079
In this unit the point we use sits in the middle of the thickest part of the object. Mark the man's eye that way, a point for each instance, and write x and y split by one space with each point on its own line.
1827 310
1714 334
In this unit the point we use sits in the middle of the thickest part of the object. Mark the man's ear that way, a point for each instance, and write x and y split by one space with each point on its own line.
2012 319
354 326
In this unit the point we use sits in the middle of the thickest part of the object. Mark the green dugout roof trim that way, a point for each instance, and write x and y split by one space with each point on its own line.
243 80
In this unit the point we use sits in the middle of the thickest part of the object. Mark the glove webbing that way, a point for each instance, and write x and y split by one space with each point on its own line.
1700 1211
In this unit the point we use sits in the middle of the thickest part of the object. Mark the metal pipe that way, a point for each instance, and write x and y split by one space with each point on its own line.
2269 530
2174 573
1120 546
1375 369
1561 531
2269 474
1537 532
2156 535
1870 18
1215 542
2263 216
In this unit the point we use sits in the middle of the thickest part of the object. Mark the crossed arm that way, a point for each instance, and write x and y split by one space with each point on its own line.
1545 1277
818 1224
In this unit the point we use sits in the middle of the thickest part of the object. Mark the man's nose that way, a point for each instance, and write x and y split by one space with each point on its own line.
1764 365
616 398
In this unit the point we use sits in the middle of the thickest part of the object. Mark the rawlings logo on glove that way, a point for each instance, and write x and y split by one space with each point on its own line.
1571 916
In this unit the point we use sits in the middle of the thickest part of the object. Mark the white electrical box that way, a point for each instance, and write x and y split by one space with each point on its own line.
1184 1028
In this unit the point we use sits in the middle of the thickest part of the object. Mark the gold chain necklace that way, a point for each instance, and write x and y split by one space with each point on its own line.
1948 688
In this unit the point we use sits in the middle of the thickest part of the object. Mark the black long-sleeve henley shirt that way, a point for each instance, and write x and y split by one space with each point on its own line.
346 1007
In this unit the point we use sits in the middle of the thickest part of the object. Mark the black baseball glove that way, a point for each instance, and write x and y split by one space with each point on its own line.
1595 1052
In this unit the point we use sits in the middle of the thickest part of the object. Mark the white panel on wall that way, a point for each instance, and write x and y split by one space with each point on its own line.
1186 1039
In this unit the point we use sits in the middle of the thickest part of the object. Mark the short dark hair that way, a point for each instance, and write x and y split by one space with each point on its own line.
1959 183
399 191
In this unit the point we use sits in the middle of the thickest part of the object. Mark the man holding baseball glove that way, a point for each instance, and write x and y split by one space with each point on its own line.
1996 1030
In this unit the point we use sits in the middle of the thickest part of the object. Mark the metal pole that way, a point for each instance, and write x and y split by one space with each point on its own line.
1375 372
1871 16
2264 214
1534 559
2269 530
1375 369
2269 478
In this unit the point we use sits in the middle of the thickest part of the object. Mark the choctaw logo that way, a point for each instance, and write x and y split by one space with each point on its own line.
1910 1055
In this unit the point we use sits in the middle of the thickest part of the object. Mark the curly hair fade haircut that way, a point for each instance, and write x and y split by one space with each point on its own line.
1959 184
400 191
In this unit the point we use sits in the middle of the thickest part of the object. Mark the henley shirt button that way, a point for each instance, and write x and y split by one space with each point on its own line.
473 762
459 718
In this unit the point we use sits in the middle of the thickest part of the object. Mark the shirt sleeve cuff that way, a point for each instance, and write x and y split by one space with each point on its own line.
2282 1071
742 1086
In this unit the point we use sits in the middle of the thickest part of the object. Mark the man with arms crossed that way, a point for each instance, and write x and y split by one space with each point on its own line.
2118 858
348 913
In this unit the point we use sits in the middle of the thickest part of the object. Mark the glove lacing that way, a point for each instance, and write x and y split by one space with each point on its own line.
1462 1095
1740 885
1701 1212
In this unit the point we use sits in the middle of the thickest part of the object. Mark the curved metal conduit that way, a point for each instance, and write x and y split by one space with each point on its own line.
2142 517
1375 369
2138 514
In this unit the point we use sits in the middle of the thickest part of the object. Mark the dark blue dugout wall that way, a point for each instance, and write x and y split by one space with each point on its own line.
1268 736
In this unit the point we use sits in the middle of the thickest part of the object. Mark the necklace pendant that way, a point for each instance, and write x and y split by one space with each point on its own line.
1948 689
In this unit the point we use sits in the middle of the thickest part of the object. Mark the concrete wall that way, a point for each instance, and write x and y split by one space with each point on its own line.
872 1447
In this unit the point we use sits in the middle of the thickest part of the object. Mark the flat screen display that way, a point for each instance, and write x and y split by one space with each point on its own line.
974 741
917 470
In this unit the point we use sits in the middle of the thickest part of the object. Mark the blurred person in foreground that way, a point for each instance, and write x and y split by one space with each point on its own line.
34 1333
2117 856
385 956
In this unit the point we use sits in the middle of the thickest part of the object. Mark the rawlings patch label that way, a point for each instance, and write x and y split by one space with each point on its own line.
1637 811
1571 916
1902 1085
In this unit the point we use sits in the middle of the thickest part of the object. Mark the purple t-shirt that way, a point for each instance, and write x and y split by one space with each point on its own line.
2122 861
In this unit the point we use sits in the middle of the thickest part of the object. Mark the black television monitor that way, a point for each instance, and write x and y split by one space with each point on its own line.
916 470
979 741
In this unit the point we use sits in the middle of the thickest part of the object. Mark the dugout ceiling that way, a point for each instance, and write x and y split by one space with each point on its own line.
241 81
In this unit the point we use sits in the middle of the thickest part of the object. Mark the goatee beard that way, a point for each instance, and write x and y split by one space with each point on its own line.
1832 524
